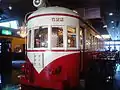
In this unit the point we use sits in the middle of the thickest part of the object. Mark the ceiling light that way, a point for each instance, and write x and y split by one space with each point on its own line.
105 26
75 11
113 27
106 36
10 7
112 21
0 18
98 36
110 14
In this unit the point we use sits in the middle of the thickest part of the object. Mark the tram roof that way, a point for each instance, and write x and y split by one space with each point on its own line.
55 9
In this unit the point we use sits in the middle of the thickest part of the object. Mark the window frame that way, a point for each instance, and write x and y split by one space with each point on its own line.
65 38
28 36
58 48
39 48
77 37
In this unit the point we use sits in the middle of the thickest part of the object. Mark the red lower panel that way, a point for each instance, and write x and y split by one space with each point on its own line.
60 73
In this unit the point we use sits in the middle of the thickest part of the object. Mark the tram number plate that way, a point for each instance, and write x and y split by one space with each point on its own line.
57 19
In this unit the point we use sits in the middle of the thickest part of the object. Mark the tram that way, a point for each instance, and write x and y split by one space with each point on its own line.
55 42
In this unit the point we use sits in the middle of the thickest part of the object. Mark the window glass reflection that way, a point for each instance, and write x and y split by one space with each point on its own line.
57 37
71 36
41 37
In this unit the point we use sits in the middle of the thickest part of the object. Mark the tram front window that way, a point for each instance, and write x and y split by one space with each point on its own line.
41 37
57 37
71 36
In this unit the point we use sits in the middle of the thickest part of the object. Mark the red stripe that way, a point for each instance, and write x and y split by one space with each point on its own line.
50 14
51 50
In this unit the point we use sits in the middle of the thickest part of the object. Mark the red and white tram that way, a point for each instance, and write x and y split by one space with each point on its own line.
53 49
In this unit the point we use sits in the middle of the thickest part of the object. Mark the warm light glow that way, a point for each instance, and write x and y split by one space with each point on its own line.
80 32
22 32
68 40
98 36
71 30
106 36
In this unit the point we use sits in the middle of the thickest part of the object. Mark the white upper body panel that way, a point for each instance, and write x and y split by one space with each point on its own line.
52 16
49 10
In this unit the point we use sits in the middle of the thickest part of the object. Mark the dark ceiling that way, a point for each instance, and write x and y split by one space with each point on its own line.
21 7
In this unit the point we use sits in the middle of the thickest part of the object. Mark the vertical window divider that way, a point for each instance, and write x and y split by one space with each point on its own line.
65 34
49 37
32 38
27 40
78 37
58 43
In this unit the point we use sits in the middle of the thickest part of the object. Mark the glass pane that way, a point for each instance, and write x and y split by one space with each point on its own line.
57 37
29 39
71 36
41 37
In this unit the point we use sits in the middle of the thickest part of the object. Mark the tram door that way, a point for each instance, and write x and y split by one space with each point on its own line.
5 61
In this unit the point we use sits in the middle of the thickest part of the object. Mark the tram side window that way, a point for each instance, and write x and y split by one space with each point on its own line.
41 37
57 37
71 35
29 39
81 38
